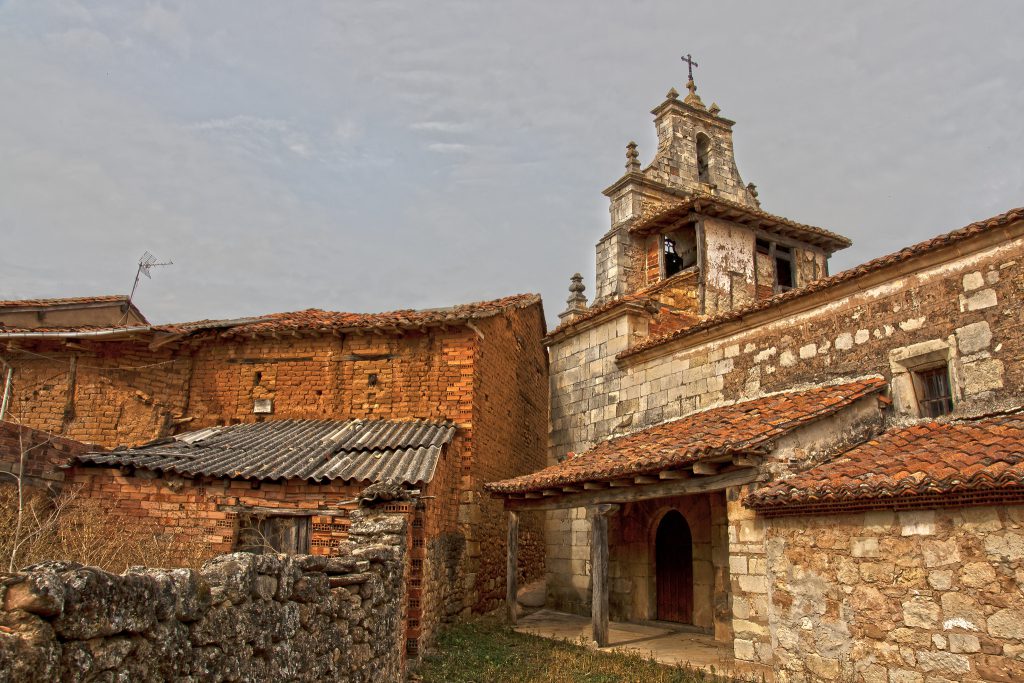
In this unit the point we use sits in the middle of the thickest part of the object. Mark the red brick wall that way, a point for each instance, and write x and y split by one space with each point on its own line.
493 387
43 455
202 514
510 410
122 393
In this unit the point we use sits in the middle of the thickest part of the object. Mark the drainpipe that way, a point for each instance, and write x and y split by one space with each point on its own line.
7 392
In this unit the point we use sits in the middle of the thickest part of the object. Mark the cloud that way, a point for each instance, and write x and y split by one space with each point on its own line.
448 147
168 27
440 126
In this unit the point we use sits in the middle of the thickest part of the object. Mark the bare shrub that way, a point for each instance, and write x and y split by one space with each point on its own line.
68 526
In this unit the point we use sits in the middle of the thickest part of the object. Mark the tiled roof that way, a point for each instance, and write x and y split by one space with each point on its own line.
879 263
314 319
747 427
319 450
724 208
70 301
969 456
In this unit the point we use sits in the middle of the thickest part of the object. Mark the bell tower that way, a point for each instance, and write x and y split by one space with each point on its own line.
694 158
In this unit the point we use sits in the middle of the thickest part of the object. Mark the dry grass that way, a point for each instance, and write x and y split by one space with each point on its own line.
487 651
69 527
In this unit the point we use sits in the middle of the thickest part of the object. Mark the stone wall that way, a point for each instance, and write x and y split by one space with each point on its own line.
241 617
929 596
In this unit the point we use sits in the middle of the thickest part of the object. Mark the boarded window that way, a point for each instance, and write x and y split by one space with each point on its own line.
274 535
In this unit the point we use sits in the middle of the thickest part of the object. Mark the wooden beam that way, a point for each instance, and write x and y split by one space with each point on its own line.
620 483
682 487
645 479
512 566
673 475
532 494
599 571
705 468
747 460
571 489
550 492
595 485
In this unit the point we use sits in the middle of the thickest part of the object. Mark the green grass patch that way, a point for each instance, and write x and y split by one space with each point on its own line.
485 650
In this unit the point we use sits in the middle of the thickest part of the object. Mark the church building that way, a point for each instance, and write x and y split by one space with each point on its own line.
823 474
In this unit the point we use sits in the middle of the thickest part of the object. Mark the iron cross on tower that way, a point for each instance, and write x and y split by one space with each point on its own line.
690 64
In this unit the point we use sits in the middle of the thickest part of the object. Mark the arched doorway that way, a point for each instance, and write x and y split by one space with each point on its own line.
674 566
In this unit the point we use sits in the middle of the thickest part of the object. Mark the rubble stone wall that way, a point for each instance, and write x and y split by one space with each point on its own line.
878 596
241 617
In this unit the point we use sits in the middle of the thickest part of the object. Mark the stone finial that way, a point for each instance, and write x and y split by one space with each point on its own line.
752 191
714 109
672 94
693 99
632 164
577 302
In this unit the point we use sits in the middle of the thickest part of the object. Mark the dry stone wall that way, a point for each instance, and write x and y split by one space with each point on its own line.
241 617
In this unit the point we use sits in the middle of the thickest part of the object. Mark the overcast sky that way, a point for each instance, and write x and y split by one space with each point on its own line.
376 155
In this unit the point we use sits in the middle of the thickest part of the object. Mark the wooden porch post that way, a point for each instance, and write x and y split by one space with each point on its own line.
599 571
512 568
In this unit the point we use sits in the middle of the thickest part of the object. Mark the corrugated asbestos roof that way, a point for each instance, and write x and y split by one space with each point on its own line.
321 450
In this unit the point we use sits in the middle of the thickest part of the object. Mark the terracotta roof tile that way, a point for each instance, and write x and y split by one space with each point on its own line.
314 319
879 263
984 454
717 206
70 301
746 427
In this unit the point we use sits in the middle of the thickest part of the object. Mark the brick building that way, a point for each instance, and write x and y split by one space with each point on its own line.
821 473
276 425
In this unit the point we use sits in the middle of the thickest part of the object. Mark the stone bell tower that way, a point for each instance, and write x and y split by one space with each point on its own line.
694 158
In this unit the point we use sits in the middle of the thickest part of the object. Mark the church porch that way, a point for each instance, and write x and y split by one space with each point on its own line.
666 642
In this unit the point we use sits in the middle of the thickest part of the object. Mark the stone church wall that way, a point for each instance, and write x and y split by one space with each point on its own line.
964 306
241 617
880 596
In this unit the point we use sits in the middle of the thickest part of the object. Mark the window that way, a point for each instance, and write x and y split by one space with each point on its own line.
703 158
778 261
274 535
673 262
934 397
924 379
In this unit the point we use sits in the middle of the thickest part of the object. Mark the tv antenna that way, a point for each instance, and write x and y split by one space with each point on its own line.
146 263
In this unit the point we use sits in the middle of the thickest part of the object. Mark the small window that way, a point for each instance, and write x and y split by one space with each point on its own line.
934 397
783 274
274 535
673 262
703 158
764 246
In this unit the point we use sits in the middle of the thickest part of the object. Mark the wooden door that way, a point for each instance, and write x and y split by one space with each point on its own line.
674 565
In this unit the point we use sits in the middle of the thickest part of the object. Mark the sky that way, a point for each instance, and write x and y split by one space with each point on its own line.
369 156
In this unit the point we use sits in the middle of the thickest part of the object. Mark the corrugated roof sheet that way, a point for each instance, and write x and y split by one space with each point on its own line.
321 450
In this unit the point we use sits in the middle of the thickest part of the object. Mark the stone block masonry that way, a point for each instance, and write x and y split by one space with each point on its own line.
878 596
241 617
